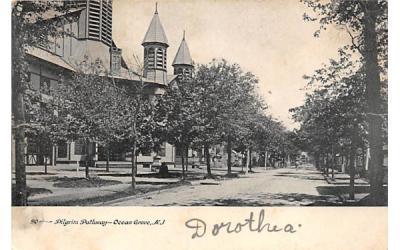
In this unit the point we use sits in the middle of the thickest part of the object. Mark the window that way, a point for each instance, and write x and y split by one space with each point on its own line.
53 85
160 54
145 56
41 83
44 85
94 20
150 57
165 59
35 81
80 148
62 150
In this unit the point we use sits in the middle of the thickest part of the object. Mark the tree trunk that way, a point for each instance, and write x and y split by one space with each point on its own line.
373 98
108 160
247 161
242 163
326 167
133 166
272 161
250 161
19 136
229 149
352 163
37 156
346 170
183 161
87 160
45 164
363 157
207 156
333 163
187 157
20 170
134 149
265 159
18 112
342 165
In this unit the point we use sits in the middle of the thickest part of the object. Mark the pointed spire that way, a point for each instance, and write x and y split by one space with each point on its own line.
183 55
155 33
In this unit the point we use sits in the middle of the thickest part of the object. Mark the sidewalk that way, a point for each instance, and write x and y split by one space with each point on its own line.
341 182
344 179
63 185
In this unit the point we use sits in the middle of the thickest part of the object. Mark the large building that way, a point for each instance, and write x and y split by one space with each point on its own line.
89 24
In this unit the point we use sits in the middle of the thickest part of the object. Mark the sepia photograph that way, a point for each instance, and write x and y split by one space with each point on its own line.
199 103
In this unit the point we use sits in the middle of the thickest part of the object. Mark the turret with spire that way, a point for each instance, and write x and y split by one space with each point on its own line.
155 45
183 63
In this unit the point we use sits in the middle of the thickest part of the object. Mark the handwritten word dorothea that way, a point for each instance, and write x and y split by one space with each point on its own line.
199 226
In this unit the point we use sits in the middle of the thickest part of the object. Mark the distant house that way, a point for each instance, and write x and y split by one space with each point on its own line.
89 23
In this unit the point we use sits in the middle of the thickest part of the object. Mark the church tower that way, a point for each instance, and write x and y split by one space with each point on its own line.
155 45
95 21
183 63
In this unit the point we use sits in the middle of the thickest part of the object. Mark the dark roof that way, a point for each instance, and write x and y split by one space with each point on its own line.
49 57
54 14
183 54
155 33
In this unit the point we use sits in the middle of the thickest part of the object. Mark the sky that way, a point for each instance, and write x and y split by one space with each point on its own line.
268 38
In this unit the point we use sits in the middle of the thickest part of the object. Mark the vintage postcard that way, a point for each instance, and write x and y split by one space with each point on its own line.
233 124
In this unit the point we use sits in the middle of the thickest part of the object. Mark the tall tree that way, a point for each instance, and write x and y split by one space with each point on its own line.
29 29
178 119
207 107
42 133
139 113
226 96
90 105
333 117
366 23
